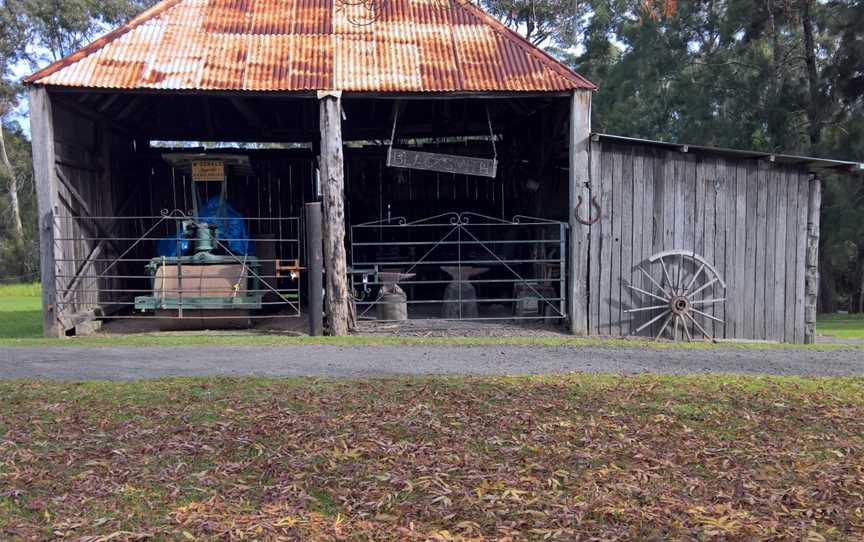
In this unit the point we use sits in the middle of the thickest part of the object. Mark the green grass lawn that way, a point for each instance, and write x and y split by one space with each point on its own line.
21 325
20 312
551 458
842 326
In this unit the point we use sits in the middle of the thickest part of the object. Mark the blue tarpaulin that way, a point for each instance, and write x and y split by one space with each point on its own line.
230 226
169 246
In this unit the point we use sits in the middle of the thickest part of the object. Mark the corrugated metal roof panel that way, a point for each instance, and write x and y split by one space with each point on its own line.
297 45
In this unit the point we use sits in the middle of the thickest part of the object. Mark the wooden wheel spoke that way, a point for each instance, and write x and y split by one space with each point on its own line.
665 325
643 309
666 274
686 329
710 317
641 291
693 282
703 288
700 328
652 321
703 302
654 282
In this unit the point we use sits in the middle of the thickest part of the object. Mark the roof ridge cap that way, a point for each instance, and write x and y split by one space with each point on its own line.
101 42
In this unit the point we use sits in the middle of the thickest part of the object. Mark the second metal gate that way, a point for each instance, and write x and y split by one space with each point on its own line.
460 266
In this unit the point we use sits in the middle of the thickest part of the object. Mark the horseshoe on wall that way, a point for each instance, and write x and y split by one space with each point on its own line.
595 205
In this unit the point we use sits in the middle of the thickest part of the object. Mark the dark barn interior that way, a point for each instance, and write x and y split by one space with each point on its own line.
139 146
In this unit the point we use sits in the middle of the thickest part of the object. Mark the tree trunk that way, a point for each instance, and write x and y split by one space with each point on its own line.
777 75
861 293
333 192
827 286
13 188
776 50
813 113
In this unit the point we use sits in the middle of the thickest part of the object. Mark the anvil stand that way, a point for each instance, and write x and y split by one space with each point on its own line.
460 296
393 301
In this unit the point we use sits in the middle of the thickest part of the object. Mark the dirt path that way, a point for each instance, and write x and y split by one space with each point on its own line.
130 363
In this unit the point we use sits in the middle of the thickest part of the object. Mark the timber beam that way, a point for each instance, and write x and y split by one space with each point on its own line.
580 182
42 129
332 169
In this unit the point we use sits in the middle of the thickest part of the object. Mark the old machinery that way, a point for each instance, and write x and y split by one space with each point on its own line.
210 264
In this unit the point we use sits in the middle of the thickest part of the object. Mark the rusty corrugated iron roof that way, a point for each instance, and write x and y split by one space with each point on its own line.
305 45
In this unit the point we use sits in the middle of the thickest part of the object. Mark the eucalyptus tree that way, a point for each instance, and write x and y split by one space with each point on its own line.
33 33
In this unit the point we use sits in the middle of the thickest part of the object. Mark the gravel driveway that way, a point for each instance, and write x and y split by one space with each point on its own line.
132 363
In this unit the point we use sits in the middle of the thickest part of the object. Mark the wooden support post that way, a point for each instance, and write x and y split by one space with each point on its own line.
315 265
812 272
333 195
42 129
580 177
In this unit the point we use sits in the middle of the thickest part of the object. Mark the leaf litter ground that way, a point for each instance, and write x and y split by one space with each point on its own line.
561 458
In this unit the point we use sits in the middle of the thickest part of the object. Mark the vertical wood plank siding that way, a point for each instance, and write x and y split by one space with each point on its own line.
749 219
595 244
83 191
604 263
735 326
78 160
616 246
86 158
637 226
627 190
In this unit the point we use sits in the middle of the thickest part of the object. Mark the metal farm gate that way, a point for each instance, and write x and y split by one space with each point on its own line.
460 266
127 267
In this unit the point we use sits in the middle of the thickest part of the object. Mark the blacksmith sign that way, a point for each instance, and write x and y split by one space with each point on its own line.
444 163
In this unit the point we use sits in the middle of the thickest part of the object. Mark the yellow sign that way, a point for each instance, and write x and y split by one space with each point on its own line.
208 171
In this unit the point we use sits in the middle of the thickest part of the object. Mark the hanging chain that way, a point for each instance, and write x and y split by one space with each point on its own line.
492 135
393 133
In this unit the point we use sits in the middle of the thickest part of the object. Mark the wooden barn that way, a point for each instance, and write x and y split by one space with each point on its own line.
185 160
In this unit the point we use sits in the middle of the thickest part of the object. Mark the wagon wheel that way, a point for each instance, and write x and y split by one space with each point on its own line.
688 286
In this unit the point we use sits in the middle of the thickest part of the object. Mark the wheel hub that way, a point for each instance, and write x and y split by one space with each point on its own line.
679 305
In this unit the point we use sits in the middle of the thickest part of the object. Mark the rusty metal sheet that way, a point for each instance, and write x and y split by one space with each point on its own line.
302 45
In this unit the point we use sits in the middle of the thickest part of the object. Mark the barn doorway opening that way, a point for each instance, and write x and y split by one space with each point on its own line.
143 244
207 239
461 213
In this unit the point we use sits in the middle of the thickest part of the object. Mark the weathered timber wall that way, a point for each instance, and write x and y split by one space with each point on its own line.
748 218
94 168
